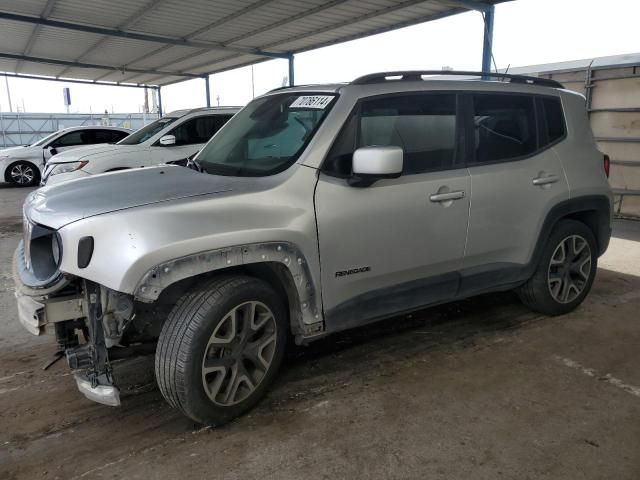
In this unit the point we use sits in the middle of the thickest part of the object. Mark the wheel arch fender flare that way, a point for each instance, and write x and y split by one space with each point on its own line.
592 210
308 317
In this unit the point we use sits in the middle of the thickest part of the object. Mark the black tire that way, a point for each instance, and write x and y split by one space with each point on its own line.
12 176
539 293
184 342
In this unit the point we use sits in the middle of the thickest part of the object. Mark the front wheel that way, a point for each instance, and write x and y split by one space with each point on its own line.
23 174
220 348
565 272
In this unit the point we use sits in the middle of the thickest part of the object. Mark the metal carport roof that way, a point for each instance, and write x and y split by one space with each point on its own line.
160 42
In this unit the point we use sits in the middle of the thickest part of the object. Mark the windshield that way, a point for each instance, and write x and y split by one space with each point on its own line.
148 131
265 137
44 140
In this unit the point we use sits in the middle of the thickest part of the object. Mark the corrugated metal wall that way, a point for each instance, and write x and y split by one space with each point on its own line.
27 128
613 100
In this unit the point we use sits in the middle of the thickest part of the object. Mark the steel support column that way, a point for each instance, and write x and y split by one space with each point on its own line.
159 101
291 71
487 46
207 90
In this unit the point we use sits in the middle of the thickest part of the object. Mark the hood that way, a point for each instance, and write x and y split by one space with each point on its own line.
94 152
67 202
21 151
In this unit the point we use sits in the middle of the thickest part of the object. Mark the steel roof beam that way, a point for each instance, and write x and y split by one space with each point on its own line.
71 80
146 37
67 63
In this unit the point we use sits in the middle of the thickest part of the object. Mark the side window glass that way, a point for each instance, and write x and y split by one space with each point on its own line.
424 126
199 129
77 137
504 127
102 136
554 118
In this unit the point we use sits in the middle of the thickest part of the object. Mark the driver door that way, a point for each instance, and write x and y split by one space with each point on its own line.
393 246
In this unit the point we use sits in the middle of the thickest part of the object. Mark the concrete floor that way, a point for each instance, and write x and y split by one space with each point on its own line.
480 389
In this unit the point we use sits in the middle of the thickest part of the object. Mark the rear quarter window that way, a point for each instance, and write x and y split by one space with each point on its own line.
554 118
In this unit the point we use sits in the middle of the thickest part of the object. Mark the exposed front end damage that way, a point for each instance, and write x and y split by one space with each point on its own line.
89 321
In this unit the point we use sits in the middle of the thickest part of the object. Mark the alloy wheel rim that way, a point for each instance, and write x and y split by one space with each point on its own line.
569 269
239 353
22 174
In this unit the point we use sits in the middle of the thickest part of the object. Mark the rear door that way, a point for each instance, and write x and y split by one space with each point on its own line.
191 135
395 245
516 178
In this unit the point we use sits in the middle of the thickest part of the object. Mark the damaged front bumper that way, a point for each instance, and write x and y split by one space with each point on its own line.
106 394
67 310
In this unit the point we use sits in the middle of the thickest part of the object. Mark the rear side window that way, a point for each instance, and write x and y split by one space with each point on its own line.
108 136
424 126
554 118
504 127
77 137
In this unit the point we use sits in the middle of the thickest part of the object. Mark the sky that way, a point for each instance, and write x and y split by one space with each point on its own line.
526 32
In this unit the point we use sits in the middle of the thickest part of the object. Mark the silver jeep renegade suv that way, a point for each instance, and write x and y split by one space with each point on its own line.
316 209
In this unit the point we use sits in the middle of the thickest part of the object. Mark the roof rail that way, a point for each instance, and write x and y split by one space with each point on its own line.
418 74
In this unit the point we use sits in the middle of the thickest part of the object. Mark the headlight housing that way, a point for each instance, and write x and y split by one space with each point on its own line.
67 167
42 251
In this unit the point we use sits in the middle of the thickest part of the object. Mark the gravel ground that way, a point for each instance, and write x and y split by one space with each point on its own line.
480 389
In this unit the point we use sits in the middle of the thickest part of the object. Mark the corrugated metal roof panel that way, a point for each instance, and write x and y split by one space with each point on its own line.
61 44
28 7
213 35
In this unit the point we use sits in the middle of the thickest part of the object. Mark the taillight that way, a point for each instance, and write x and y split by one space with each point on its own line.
606 164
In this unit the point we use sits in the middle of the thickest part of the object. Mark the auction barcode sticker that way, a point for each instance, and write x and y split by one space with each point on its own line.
312 101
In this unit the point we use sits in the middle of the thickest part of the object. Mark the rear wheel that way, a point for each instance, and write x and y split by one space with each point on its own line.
23 174
220 348
565 272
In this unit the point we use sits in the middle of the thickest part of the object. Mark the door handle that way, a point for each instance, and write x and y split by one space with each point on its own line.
546 180
445 197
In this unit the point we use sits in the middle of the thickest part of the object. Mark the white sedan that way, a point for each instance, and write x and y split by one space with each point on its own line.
23 165
170 139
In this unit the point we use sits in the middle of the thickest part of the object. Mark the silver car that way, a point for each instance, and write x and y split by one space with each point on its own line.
316 209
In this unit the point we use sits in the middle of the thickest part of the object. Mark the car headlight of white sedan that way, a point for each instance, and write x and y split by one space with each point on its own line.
66 167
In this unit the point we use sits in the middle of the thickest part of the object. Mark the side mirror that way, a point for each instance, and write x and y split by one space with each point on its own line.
168 140
52 151
375 163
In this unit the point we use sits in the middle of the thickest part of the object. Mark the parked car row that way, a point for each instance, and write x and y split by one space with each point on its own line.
23 165
78 152
314 210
